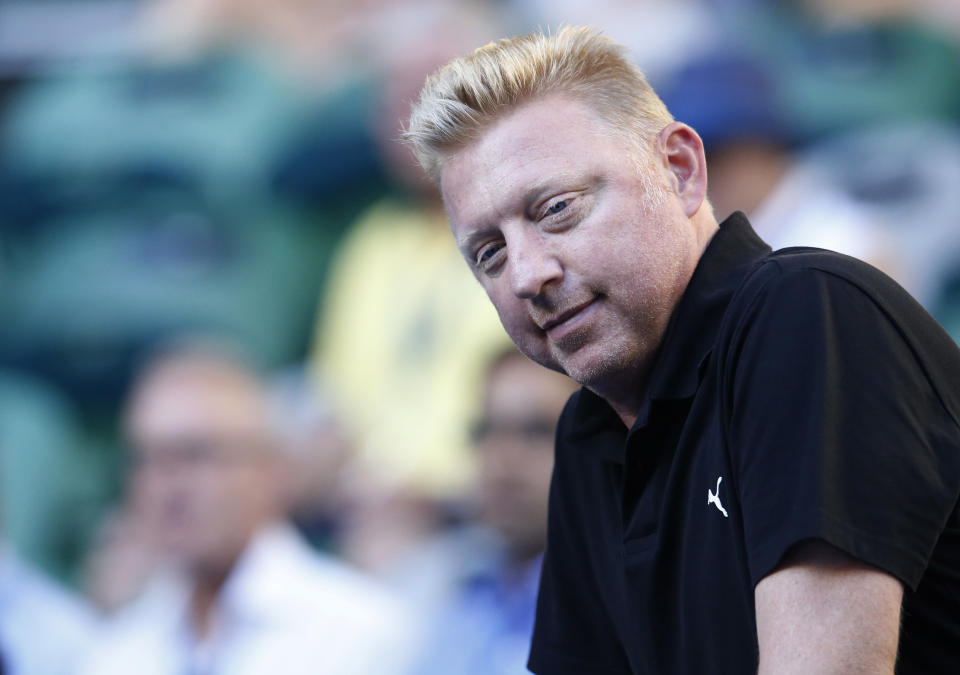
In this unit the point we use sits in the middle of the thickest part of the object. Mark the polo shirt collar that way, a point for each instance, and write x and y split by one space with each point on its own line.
693 329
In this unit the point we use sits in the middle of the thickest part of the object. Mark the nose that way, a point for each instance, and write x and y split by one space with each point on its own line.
532 267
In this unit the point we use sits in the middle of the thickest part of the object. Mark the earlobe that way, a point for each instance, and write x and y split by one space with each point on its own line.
683 152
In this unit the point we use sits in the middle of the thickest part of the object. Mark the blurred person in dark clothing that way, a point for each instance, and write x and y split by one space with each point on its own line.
514 444
242 593
486 625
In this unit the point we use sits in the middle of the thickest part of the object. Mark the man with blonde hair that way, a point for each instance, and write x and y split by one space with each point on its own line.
762 468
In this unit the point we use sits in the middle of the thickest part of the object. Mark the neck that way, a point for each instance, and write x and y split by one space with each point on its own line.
626 395
203 599
628 415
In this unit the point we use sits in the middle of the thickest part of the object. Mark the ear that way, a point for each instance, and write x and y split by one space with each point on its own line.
682 150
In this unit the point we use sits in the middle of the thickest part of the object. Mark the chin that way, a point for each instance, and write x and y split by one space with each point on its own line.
584 366
591 378
598 370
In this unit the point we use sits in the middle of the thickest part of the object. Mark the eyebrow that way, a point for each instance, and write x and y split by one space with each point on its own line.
468 242
545 186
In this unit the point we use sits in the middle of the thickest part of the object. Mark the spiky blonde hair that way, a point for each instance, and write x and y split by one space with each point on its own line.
463 97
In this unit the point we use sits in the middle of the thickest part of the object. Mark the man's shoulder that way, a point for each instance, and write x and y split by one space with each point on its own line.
819 281
796 294
790 269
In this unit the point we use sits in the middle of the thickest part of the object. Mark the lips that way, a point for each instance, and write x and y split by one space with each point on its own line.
566 315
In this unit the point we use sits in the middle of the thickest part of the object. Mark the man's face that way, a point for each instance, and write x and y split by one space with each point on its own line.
551 211
514 442
203 474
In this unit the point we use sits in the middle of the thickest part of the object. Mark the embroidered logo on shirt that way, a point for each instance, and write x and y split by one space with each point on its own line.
714 498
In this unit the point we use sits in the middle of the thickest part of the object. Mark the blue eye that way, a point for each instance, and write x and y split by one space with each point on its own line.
558 207
487 253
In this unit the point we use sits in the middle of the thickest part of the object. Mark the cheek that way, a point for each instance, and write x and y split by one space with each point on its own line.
525 335
513 316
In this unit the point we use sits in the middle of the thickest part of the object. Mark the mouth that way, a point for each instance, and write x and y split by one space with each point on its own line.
566 319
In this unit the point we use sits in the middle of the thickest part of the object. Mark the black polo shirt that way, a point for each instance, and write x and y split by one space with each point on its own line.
798 394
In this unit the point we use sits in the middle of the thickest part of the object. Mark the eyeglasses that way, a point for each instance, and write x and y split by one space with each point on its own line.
531 430
195 451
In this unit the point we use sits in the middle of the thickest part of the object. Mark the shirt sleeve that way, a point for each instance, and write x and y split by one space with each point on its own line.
833 427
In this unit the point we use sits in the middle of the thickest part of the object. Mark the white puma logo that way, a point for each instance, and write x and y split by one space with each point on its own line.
714 498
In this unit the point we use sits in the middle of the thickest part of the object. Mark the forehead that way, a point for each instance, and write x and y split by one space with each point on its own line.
543 143
192 399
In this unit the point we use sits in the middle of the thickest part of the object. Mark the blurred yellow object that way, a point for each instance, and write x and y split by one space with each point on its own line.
402 341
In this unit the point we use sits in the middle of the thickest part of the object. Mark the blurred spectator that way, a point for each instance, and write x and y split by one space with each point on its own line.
734 101
244 593
150 188
486 623
731 98
866 192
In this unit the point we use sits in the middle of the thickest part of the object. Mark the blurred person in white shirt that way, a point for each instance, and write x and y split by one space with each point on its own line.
240 591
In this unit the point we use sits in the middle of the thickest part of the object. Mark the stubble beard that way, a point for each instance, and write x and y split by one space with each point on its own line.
619 364
615 365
